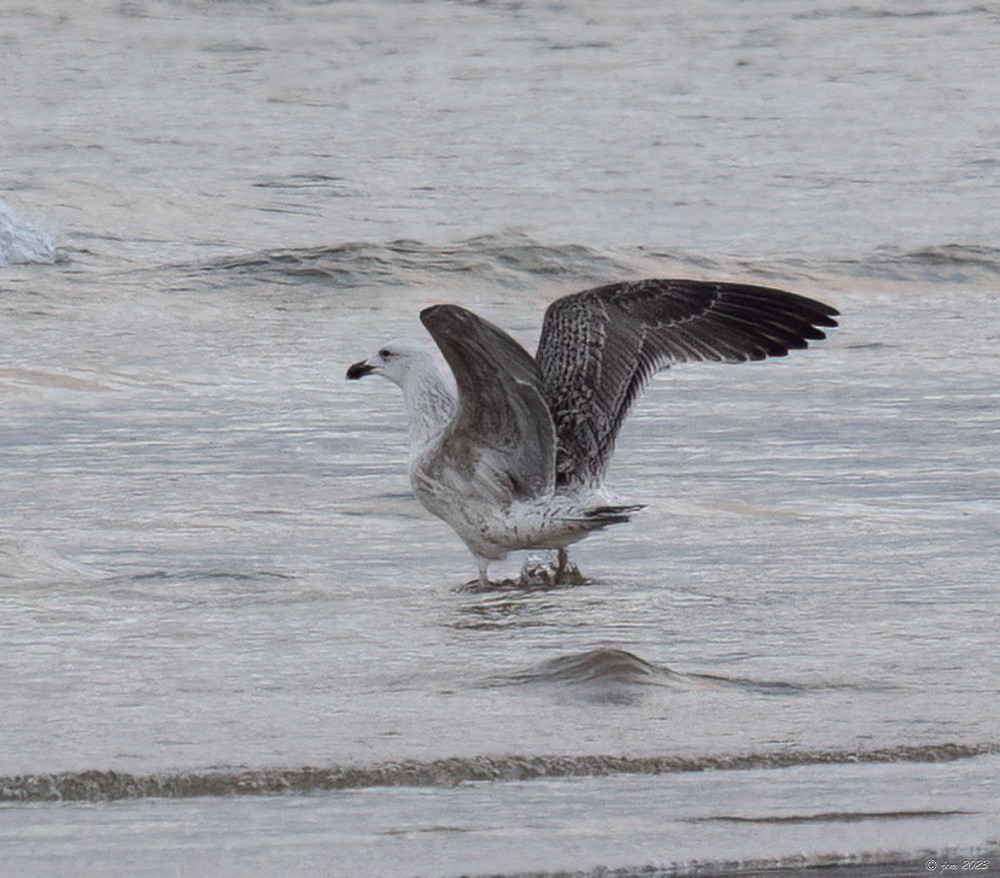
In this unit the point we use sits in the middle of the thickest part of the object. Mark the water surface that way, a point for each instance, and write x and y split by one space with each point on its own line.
222 614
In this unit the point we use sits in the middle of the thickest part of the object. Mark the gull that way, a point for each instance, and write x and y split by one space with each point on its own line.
516 458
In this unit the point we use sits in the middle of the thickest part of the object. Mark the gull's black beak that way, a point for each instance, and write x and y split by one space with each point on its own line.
359 370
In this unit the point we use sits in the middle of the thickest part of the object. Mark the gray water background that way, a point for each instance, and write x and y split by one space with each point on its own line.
212 572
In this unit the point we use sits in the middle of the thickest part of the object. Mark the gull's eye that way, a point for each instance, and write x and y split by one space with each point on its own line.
385 353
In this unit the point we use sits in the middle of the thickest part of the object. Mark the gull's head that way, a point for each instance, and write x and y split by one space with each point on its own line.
394 361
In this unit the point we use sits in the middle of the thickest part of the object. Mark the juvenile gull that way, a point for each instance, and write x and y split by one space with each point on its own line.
517 459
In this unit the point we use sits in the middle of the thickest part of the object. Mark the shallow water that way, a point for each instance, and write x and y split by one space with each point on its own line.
537 827
212 572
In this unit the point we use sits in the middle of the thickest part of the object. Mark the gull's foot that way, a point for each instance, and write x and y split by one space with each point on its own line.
549 570
540 571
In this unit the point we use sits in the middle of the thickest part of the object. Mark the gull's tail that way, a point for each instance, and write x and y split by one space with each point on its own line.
599 517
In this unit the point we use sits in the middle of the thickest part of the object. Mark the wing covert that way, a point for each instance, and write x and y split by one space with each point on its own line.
502 435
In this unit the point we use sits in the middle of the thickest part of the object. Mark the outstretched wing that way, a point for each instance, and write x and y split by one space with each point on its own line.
502 439
599 348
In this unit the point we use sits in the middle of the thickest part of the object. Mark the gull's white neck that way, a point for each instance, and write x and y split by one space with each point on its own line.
429 400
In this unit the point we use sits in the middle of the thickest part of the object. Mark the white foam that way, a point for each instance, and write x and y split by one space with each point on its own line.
22 240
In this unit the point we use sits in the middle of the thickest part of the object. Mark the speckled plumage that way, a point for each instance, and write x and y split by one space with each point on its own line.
599 348
517 459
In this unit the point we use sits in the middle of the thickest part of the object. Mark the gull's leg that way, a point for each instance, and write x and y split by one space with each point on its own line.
561 564
483 565
566 572
482 581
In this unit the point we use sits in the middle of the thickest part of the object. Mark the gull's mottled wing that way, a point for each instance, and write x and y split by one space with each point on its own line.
502 439
599 348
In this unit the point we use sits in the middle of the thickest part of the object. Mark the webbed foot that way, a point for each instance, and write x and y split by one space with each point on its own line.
549 570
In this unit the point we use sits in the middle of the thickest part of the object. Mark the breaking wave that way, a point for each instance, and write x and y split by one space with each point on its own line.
22 241
97 786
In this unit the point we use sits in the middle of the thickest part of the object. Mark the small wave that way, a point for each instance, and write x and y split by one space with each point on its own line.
830 817
297 182
509 259
209 576
947 263
600 666
22 241
881 864
889 11
609 667
195 588
96 786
